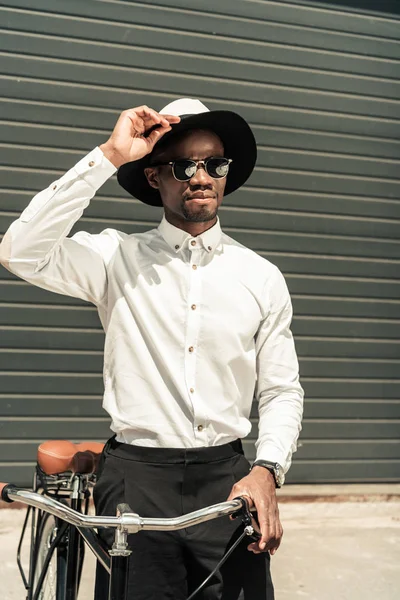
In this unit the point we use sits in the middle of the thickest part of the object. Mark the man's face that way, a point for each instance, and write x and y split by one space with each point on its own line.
198 199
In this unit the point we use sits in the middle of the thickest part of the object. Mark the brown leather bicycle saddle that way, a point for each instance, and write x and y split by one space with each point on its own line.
58 456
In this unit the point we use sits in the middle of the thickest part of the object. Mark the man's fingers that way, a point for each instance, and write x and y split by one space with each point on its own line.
143 119
275 539
147 113
172 119
266 530
157 134
271 546
271 534
274 545
151 117
150 124
254 548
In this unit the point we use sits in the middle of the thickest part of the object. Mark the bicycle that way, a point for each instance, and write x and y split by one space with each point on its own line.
58 507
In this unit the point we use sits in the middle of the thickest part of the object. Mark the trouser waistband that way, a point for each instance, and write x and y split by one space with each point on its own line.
173 455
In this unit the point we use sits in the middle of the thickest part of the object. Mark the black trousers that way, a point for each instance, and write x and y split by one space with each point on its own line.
167 482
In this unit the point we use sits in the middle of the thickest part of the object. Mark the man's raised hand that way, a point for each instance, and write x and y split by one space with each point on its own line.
135 134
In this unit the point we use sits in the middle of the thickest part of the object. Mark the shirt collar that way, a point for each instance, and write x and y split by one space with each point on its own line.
177 238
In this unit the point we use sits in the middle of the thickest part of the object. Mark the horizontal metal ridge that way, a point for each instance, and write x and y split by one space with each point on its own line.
27 328
348 340
332 420
52 351
347 298
242 103
320 194
235 59
189 76
241 18
17 463
49 419
340 319
341 461
80 397
83 374
360 259
324 441
307 379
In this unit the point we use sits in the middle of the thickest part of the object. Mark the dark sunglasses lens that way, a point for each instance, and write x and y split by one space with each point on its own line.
217 167
184 169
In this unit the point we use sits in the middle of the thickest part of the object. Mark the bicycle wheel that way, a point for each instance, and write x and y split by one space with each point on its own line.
53 585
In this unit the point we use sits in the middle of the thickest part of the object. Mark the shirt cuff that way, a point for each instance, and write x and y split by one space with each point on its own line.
274 455
95 168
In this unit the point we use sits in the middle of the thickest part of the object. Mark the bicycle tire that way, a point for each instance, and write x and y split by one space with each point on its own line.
53 586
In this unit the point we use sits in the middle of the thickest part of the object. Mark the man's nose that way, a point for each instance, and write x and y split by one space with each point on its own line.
201 177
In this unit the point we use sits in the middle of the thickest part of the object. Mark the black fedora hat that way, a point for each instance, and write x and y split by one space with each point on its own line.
233 130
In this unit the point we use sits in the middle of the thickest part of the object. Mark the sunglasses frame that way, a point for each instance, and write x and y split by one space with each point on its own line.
196 162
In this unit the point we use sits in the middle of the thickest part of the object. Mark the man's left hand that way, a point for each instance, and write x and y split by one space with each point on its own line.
258 487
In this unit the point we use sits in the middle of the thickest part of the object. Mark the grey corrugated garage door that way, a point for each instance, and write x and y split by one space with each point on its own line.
319 82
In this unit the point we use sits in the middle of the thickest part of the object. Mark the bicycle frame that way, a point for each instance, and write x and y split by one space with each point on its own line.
126 522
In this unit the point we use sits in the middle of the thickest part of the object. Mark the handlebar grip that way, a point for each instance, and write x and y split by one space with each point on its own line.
4 489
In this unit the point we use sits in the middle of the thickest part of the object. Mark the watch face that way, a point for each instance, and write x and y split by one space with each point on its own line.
280 477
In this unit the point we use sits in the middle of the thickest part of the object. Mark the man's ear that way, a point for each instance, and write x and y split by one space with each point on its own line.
152 177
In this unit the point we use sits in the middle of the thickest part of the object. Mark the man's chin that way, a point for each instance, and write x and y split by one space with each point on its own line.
203 215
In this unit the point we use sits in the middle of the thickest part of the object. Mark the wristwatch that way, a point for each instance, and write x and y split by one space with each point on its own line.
274 468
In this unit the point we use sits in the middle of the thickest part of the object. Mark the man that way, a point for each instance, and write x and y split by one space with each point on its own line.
196 326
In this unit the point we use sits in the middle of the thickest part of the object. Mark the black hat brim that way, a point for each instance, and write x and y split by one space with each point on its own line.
236 136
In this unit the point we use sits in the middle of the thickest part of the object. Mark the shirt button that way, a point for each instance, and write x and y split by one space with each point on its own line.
92 163
191 349
200 428
191 390
54 187
194 307
176 247
210 248
194 267
193 242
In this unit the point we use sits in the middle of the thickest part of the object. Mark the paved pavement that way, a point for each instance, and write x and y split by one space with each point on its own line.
331 550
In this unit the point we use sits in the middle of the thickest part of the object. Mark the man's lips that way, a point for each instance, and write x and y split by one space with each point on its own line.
200 197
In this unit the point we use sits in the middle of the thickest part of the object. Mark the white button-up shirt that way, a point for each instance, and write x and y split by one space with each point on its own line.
195 327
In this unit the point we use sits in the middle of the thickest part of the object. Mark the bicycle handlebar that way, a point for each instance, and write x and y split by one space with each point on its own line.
128 521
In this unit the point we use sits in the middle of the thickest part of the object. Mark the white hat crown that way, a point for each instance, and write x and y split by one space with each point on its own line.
184 106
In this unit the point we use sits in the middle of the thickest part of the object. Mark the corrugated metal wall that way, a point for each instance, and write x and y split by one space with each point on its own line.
320 84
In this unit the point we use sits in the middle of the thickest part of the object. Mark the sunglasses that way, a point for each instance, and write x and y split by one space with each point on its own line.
184 169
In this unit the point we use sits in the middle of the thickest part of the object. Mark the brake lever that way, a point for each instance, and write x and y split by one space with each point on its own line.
247 520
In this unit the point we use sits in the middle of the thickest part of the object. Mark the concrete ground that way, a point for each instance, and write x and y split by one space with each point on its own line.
332 548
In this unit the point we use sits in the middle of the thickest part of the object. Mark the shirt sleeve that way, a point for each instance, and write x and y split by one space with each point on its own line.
36 247
278 390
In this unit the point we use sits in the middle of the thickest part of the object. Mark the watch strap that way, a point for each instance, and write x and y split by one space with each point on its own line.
272 467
